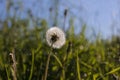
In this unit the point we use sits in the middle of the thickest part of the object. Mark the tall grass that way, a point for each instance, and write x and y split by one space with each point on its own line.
78 59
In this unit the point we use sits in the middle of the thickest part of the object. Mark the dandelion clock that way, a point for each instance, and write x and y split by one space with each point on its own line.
55 37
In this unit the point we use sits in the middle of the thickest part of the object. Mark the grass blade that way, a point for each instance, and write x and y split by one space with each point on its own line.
112 71
31 72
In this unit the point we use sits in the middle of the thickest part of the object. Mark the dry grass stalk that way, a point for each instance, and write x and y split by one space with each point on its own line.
14 68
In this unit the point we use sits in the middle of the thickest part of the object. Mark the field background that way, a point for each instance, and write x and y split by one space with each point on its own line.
79 59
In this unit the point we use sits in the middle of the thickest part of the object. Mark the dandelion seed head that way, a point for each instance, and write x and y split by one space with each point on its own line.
55 37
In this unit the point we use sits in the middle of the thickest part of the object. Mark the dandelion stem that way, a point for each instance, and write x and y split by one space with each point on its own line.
47 65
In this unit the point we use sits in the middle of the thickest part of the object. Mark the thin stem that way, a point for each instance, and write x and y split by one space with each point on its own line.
7 72
58 60
31 72
78 67
63 68
63 74
64 23
65 14
47 65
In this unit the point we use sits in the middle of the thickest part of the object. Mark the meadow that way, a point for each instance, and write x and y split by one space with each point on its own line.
24 52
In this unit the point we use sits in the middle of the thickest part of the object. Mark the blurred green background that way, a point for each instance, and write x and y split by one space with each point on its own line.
80 58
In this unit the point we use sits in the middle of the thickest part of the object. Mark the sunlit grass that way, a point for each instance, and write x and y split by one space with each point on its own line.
77 59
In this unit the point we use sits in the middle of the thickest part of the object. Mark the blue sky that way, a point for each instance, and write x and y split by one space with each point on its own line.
99 15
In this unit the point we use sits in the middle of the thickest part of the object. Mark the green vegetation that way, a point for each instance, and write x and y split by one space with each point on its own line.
78 59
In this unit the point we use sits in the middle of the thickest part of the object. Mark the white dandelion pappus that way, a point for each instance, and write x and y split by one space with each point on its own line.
55 37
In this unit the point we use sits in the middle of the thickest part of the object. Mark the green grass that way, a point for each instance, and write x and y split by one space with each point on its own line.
78 59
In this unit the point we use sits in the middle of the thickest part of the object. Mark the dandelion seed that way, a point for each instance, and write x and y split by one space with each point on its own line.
55 37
